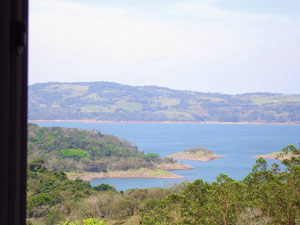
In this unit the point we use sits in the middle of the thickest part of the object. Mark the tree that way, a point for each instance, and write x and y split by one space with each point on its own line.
36 165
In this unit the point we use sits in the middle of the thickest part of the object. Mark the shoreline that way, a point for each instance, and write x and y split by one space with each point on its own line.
274 156
143 173
167 122
175 166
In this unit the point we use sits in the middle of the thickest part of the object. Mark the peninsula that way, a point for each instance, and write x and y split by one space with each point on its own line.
274 155
89 154
198 154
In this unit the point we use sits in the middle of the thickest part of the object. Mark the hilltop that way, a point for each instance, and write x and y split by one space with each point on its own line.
117 102
89 154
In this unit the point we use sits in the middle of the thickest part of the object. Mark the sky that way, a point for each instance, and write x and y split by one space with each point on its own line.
225 46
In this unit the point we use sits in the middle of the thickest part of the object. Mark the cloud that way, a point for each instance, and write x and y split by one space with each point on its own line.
211 11
204 9
188 45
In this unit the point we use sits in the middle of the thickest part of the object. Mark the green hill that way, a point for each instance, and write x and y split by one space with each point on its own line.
75 150
116 102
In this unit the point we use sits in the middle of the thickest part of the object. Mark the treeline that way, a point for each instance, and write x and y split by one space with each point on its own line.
266 196
86 150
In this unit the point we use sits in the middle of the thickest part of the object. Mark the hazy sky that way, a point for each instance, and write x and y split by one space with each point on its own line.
227 46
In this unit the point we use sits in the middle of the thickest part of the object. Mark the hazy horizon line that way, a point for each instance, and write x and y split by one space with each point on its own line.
153 85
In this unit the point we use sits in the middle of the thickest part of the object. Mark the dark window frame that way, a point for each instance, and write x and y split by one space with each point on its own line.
13 113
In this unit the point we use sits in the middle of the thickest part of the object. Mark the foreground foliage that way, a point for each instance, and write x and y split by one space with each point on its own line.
54 199
266 196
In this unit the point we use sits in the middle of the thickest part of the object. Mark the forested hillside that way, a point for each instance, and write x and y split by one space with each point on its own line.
75 150
116 102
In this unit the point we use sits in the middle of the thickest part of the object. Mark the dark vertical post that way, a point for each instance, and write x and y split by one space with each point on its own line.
13 110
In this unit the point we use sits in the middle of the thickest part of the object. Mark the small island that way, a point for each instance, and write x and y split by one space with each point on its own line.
198 154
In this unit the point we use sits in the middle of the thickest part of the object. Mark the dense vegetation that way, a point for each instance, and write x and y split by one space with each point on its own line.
82 150
54 199
267 196
116 102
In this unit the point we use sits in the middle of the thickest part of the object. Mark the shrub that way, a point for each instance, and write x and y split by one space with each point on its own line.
75 153
36 165
103 187
151 156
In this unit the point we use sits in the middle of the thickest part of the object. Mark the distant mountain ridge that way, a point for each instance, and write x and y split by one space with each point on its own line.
117 102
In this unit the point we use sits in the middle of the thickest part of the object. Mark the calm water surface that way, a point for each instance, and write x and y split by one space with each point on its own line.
238 143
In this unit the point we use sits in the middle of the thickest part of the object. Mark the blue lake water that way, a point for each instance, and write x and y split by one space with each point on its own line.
238 143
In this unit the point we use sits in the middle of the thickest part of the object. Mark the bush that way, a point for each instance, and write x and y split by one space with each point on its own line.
103 187
151 157
53 217
36 165
75 153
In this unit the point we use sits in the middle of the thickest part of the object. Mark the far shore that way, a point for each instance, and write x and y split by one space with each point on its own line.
165 122
142 173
